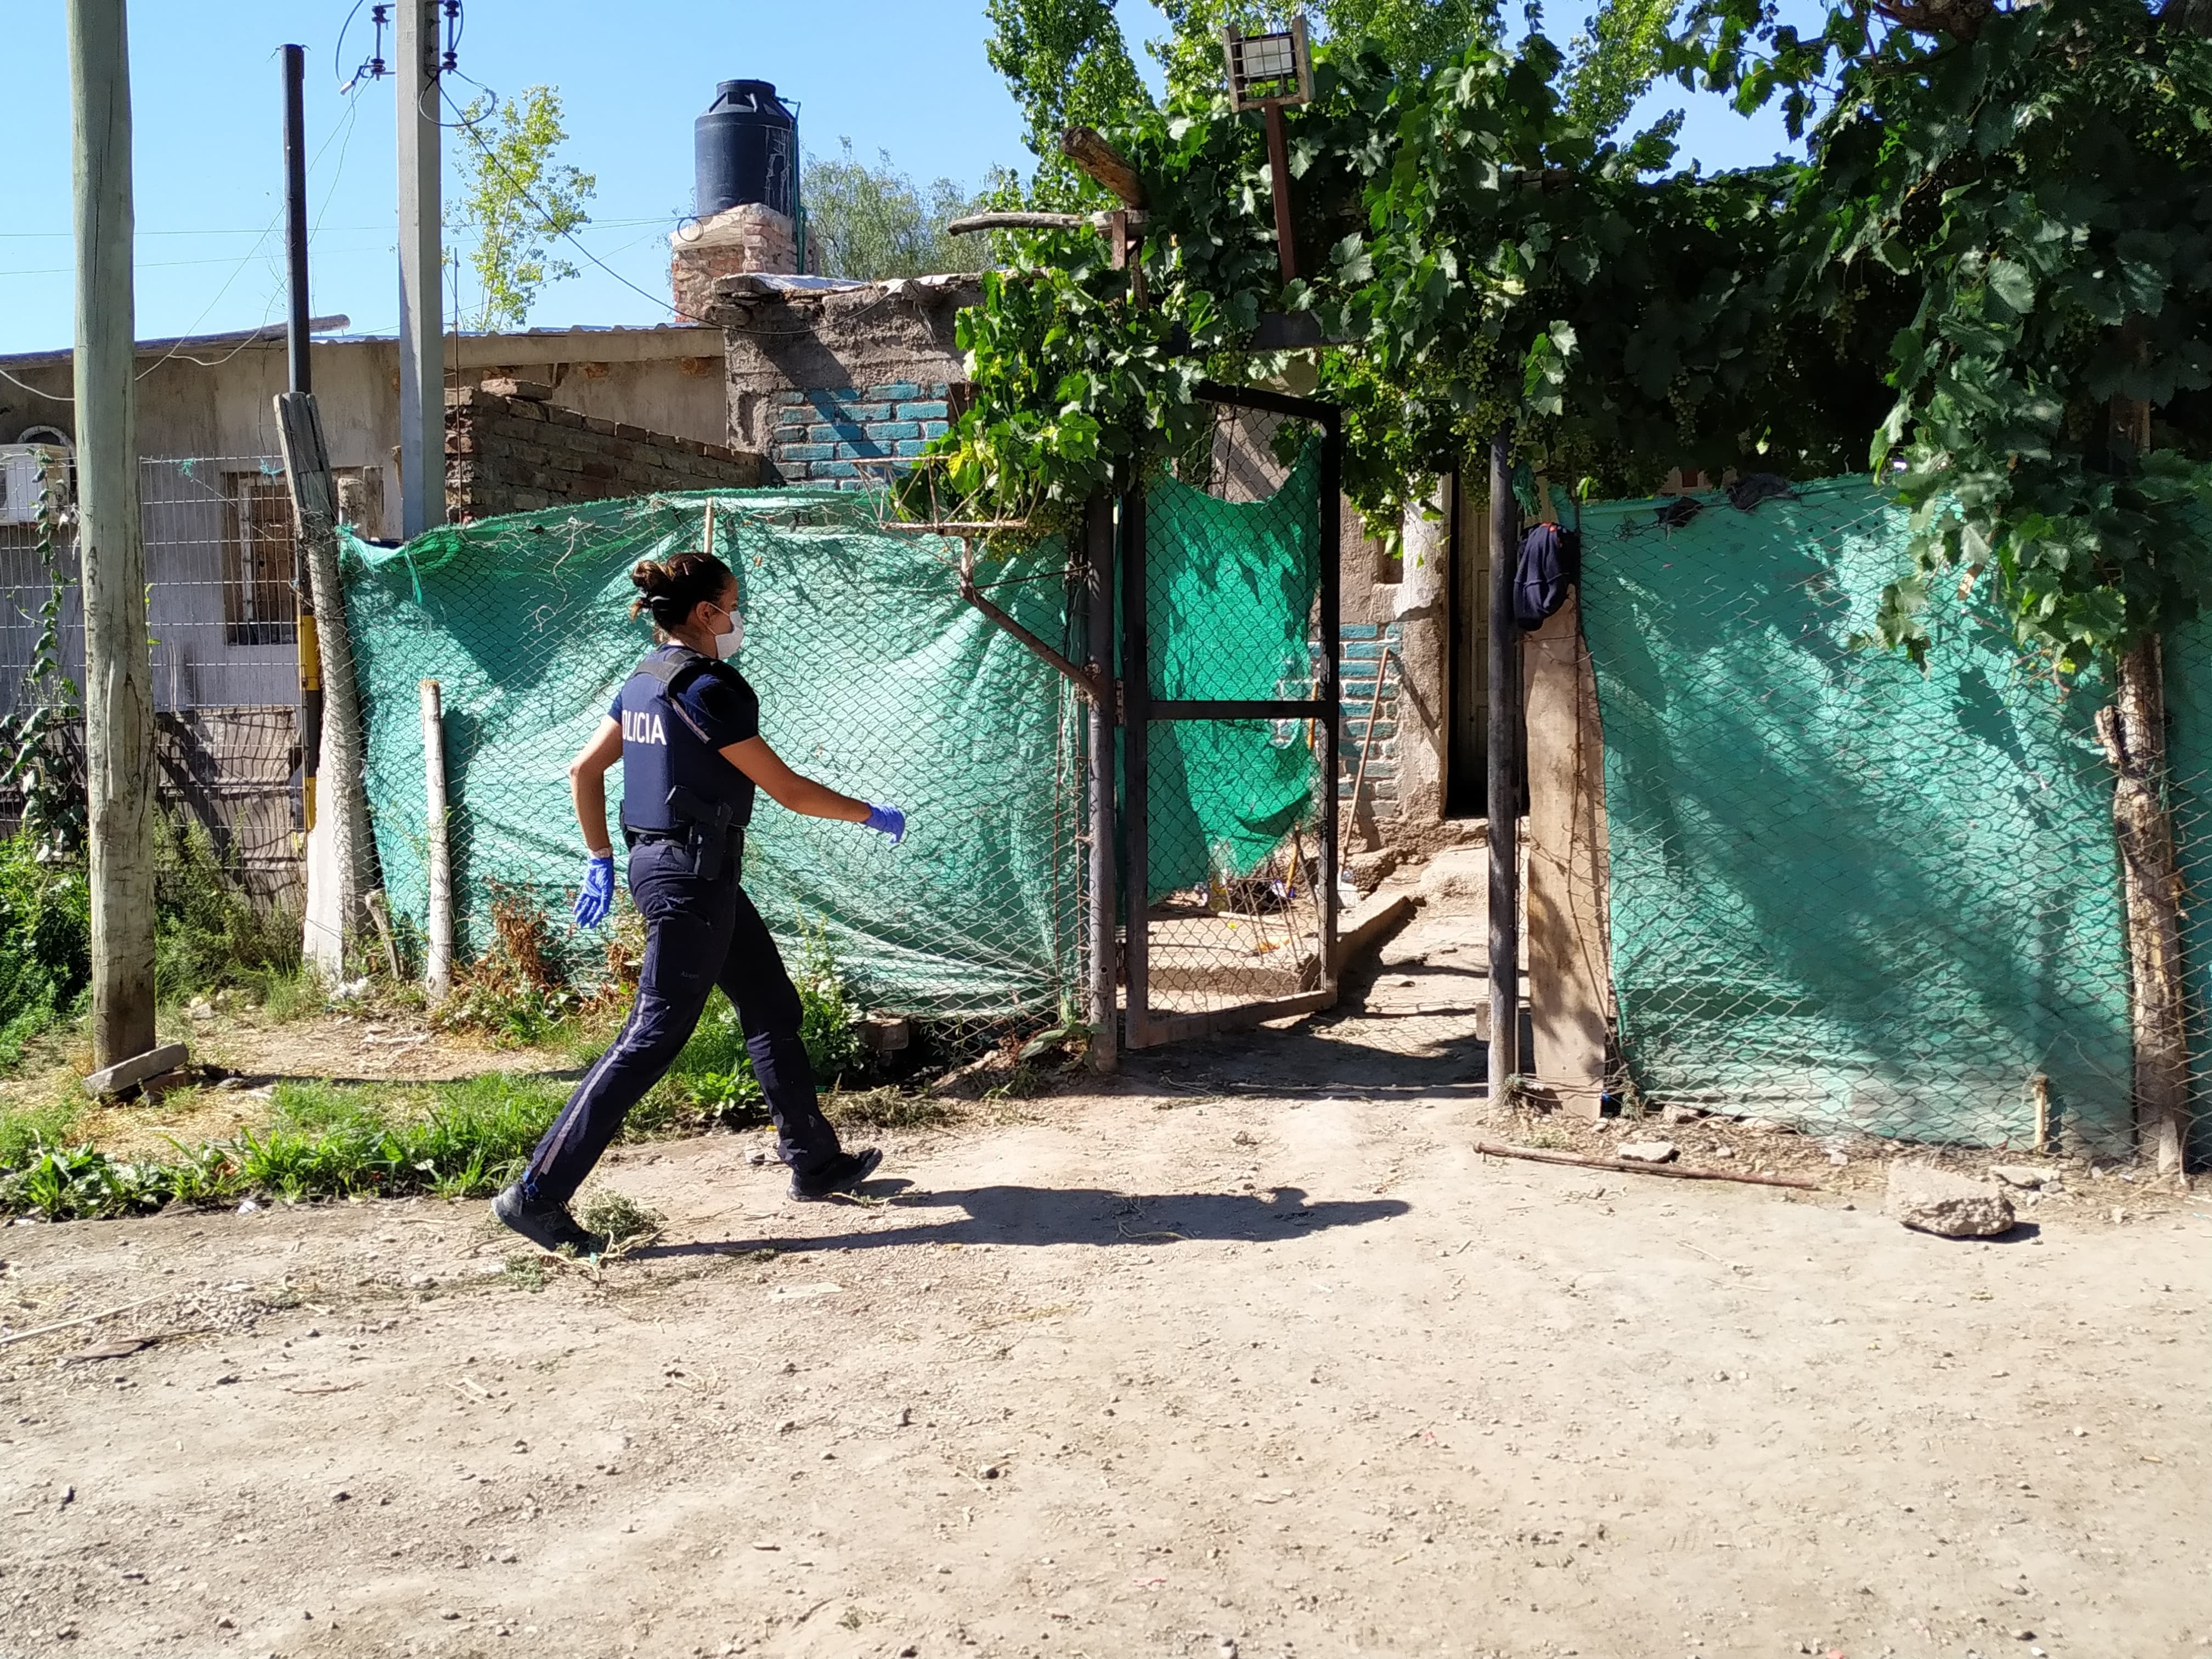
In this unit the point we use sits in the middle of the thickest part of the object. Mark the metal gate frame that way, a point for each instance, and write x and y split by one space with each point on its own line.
1141 1027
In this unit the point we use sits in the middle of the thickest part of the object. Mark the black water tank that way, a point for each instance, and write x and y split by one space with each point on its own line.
744 145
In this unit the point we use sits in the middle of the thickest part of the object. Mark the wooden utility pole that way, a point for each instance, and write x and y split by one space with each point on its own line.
421 313
1504 780
119 674
308 710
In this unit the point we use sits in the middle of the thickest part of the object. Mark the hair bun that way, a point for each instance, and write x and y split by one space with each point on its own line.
673 588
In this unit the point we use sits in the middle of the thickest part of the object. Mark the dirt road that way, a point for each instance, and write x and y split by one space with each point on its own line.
1182 1368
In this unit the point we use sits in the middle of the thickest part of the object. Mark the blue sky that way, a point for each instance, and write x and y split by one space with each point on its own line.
905 75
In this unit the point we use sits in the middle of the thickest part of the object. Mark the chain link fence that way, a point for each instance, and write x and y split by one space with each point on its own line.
222 622
1846 894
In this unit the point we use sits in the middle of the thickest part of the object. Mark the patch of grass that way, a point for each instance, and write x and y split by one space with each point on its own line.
26 1131
325 1140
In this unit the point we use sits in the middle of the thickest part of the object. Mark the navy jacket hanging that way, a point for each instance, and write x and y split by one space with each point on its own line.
1549 558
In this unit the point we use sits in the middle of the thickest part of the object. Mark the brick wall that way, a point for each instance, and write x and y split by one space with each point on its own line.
750 237
1360 646
820 437
516 454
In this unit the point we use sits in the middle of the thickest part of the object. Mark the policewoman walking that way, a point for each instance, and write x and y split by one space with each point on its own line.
686 728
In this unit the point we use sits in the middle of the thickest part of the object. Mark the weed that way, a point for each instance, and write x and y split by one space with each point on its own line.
515 992
525 1270
1021 1084
850 1618
620 1220
886 1108
209 932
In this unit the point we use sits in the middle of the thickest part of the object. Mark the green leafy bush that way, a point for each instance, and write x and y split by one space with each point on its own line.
209 932
45 943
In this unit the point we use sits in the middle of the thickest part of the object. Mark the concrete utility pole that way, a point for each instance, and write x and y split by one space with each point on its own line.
118 676
422 314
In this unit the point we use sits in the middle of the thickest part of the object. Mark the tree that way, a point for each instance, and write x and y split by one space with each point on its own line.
1067 64
518 199
1610 66
872 222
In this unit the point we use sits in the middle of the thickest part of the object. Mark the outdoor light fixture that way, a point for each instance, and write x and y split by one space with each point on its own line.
1266 72
1268 69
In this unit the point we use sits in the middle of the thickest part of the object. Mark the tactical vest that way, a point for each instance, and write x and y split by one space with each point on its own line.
663 757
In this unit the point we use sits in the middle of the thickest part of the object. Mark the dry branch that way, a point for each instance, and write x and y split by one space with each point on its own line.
1675 1171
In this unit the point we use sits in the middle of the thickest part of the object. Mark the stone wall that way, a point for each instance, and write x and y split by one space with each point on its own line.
827 434
802 353
507 449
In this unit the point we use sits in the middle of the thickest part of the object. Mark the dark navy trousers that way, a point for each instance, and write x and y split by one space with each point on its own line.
699 933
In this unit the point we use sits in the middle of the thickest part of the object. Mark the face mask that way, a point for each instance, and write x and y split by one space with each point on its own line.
729 645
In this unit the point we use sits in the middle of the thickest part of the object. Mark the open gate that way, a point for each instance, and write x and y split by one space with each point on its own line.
1229 660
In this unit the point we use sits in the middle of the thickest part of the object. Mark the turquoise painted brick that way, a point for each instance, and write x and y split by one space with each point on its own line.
836 469
935 428
910 446
1356 631
789 452
934 409
886 432
1352 651
895 391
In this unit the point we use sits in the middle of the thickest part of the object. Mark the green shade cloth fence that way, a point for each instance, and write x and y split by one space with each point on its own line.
1845 894
874 677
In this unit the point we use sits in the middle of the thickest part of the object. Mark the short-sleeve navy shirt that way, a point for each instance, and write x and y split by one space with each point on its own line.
719 706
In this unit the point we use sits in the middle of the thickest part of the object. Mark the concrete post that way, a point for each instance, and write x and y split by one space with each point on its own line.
421 312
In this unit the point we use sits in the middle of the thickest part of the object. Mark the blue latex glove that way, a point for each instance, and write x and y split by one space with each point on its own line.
599 892
888 820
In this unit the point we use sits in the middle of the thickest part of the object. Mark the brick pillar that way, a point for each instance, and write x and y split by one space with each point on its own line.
750 237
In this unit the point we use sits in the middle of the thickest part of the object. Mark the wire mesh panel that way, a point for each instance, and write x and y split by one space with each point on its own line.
222 619
1845 894
1229 668
874 677
2187 673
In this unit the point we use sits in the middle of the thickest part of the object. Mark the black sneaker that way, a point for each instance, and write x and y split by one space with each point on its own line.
544 1223
849 1171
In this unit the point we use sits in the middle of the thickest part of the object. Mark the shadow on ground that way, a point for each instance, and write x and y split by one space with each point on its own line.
1060 1215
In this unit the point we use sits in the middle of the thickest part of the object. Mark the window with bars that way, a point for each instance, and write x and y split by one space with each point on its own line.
258 607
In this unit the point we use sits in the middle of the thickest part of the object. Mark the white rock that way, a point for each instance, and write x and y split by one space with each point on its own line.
1932 1200
1648 1151
2023 1174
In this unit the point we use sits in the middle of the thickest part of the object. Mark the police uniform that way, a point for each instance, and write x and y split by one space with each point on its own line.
684 811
